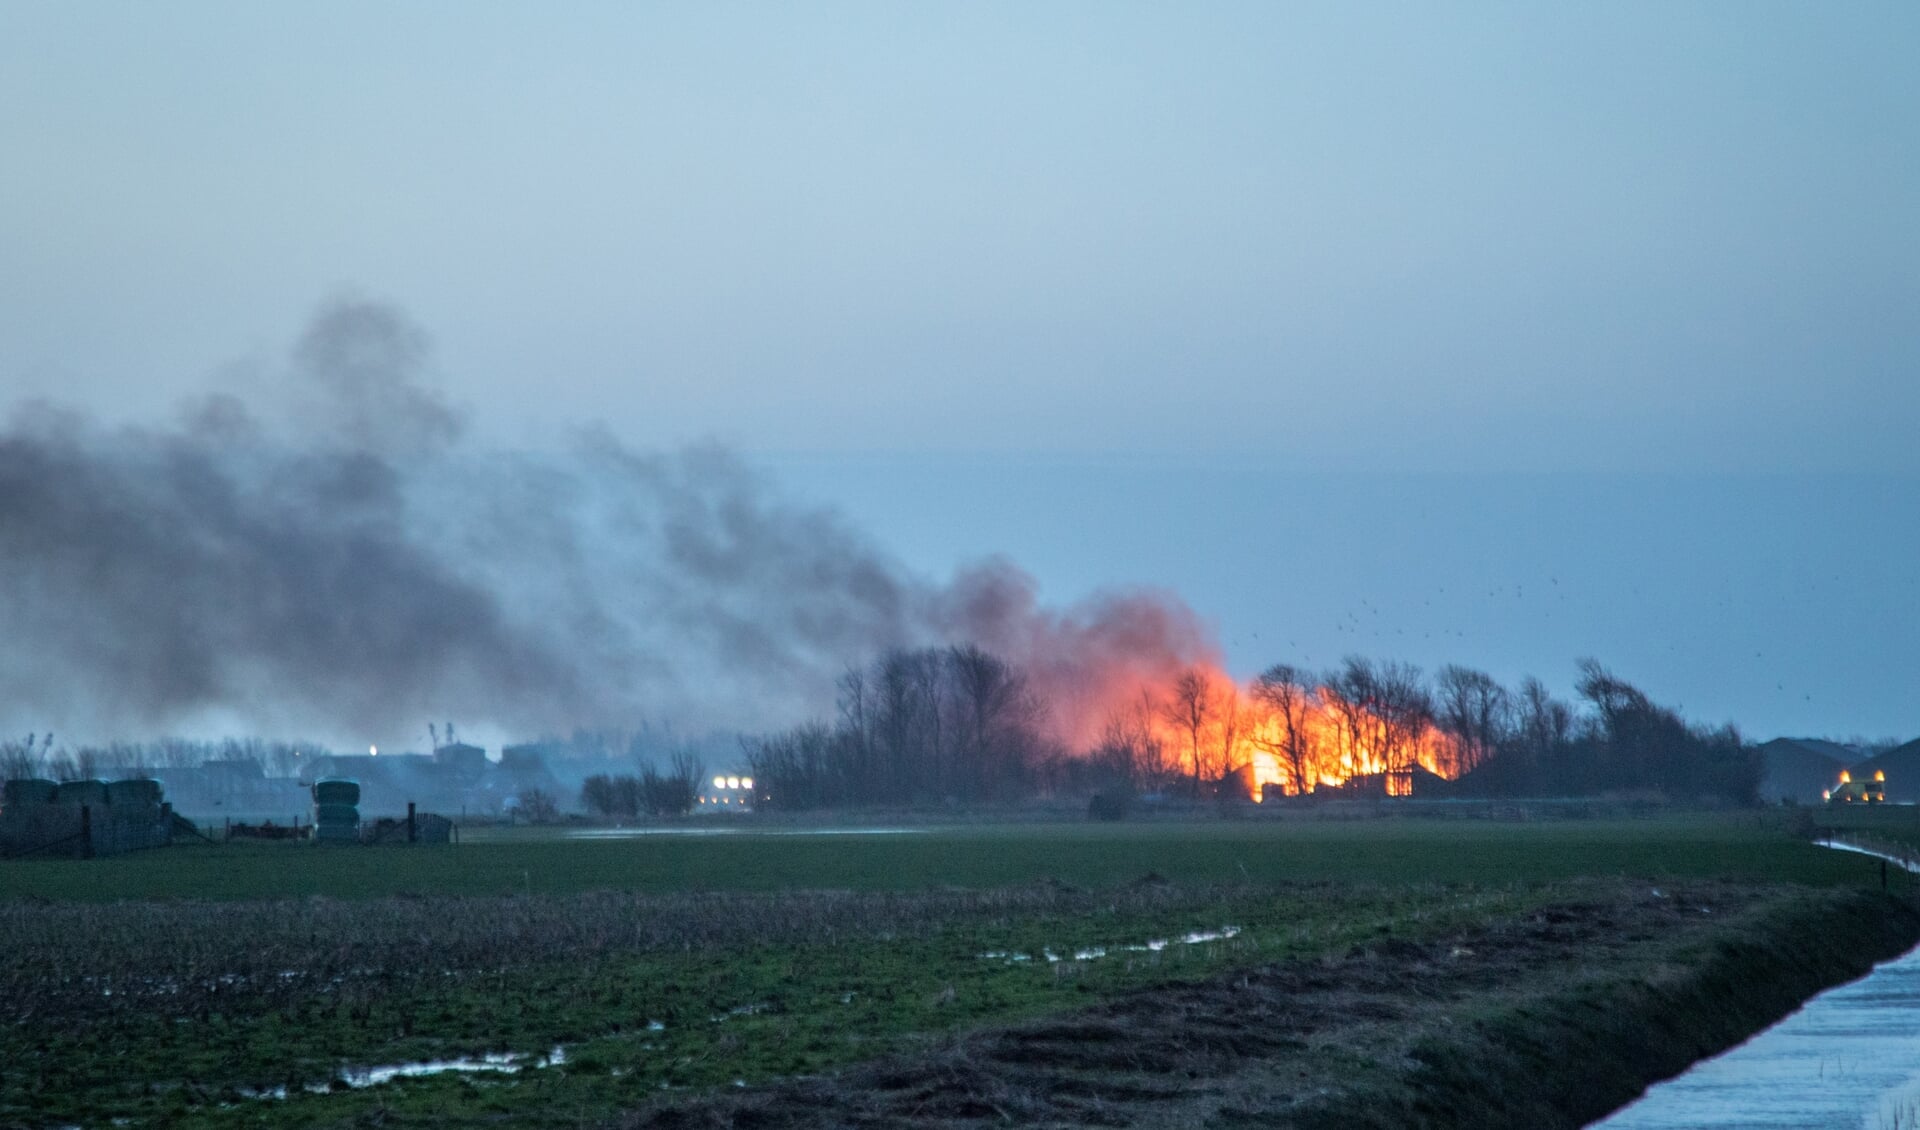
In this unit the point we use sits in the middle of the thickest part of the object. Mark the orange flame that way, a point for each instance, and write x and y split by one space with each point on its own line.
1208 727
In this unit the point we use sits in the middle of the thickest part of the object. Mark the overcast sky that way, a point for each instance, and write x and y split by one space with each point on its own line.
1309 312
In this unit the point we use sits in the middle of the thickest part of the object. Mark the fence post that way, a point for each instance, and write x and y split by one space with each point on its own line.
86 831
413 834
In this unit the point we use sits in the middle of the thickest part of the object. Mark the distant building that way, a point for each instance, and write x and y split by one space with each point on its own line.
1242 783
523 771
389 781
1800 770
1901 767
462 762
231 788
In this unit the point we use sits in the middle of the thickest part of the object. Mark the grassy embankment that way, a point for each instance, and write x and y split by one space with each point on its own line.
678 963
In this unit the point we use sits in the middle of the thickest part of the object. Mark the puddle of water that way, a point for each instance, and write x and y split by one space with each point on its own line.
1848 1059
506 1063
629 833
1092 953
753 1009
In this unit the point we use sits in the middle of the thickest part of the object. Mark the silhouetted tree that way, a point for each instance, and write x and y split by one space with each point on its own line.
917 725
1474 710
1189 709
1286 694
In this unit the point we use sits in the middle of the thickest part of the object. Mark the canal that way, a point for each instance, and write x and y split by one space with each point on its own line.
1848 1059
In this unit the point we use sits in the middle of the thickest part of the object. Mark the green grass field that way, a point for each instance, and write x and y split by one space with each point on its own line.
172 986
535 861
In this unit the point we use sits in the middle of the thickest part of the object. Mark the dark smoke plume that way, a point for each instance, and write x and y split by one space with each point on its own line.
369 569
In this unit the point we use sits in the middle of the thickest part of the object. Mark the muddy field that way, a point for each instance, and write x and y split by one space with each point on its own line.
1386 1033
1179 976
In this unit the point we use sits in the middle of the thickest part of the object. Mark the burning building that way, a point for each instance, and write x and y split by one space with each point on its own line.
1366 730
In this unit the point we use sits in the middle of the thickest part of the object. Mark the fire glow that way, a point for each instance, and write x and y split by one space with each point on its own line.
1364 727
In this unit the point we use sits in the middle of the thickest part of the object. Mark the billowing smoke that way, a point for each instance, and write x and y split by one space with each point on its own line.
370 568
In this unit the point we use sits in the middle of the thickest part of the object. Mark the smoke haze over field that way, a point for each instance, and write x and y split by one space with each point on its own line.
1497 335
338 562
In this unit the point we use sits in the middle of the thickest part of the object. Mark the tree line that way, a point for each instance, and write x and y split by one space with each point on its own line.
36 755
651 793
959 723
1620 740
915 725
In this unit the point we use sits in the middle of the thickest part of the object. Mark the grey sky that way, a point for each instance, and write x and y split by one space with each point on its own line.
1493 240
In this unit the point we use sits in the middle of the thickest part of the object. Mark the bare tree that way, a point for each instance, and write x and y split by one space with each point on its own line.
1188 710
1229 727
18 760
856 717
61 766
915 725
1286 695
1403 709
897 727
1475 711
1349 692
1543 721
996 718
539 807
1131 748
685 778
88 763
1385 713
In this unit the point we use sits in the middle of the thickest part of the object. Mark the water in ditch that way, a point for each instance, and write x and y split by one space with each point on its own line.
1849 1059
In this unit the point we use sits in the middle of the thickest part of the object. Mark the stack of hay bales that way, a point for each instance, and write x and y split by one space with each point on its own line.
28 817
91 792
82 818
136 817
17 796
336 811
133 791
70 797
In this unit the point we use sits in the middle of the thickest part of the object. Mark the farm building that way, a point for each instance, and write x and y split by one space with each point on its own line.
454 778
1902 768
461 762
230 788
1800 770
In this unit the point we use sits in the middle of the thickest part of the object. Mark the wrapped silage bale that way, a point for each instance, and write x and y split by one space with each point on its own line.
27 792
89 792
341 814
336 812
134 790
336 790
